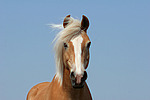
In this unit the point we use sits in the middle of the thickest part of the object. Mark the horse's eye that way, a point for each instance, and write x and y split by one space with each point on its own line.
88 45
65 45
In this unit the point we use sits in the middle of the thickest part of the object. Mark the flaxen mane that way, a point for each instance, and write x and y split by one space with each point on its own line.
72 30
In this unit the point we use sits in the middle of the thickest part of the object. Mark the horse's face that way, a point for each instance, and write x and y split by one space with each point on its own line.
76 58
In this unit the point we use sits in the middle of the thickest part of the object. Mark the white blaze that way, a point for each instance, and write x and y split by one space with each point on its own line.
77 50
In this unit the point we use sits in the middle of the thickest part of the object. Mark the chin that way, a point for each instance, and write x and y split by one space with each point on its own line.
78 86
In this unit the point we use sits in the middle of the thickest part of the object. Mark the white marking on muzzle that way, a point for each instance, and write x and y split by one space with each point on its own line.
77 50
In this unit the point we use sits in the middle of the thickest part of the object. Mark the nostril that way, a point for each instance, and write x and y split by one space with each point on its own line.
72 76
84 76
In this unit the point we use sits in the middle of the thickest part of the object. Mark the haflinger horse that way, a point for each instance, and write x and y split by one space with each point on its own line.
72 58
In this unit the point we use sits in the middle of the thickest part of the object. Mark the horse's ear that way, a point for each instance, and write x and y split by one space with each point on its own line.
84 23
66 20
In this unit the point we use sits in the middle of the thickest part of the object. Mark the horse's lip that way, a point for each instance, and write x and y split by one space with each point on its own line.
77 86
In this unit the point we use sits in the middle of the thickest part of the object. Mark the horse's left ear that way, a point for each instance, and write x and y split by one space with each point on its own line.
84 23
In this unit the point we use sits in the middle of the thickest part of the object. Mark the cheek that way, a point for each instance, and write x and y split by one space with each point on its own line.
88 56
65 57
86 59
68 59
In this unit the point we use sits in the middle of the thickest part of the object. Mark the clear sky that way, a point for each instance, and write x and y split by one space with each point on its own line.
120 53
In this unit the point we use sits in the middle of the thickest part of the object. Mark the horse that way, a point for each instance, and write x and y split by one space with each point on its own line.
72 58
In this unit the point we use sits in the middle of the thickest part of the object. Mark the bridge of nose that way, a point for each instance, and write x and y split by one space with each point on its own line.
77 42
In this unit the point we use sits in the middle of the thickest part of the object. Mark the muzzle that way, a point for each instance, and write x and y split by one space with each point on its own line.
78 81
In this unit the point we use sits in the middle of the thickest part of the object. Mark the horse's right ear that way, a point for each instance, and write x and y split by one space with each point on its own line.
84 23
66 21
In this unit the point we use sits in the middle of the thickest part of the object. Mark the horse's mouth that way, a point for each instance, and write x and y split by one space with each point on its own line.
77 86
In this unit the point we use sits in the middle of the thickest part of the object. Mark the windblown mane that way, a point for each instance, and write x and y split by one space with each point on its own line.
72 30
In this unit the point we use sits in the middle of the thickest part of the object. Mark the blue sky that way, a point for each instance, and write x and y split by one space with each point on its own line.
120 33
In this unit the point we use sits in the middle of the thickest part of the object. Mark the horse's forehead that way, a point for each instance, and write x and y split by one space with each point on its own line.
77 39
76 43
81 39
